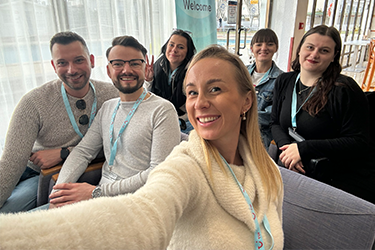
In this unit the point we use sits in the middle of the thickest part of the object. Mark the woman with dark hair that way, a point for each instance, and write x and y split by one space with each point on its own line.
319 113
264 72
169 73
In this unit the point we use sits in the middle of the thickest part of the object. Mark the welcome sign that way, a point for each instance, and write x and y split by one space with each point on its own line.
199 18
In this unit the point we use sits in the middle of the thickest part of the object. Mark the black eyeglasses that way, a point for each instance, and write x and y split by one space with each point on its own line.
83 119
119 64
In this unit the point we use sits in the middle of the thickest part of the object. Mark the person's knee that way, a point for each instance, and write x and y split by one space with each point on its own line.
23 197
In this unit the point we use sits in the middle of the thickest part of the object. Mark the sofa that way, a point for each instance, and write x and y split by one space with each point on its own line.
319 216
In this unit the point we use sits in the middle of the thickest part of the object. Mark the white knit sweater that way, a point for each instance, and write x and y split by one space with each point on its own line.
178 208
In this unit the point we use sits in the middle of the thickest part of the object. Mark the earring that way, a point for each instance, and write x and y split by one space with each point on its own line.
244 116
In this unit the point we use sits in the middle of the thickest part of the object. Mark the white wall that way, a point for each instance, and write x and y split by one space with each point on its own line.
286 16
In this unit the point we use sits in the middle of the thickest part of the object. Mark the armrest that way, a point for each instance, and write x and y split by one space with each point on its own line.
273 151
92 175
45 179
43 184
319 216
57 168
91 167
50 171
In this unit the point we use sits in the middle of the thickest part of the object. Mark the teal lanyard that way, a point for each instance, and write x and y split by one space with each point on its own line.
113 145
70 112
171 75
294 111
258 239
265 75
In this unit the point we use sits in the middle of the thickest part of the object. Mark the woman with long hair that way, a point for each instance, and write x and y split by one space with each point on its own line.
320 118
166 78
218 190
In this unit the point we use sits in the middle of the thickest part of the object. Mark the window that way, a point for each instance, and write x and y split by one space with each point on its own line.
26 27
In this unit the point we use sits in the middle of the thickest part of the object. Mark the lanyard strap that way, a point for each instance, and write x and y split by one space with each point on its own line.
258 239
171 75
264 76
113 145
294 111
70 112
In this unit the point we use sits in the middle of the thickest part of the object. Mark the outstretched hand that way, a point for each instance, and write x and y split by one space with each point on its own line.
69 193
149 76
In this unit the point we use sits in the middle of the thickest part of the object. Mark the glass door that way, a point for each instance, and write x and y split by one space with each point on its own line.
234 32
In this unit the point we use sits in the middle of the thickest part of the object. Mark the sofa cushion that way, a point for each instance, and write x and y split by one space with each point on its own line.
319 216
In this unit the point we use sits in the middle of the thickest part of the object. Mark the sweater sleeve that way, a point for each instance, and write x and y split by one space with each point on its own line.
165 136
280 136
144 220
22 132
350 111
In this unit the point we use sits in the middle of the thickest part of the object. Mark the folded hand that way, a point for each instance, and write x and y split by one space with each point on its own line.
69 193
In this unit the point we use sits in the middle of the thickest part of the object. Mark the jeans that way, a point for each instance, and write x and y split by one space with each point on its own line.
23 197
42 207
189 127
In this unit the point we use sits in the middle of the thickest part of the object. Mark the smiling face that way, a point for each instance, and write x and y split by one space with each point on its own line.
264 51
176 50
213 102
316 53
72 64
127 80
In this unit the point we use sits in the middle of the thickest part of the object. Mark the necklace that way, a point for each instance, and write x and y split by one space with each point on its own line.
300 88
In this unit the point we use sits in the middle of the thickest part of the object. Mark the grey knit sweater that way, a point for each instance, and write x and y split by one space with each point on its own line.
152 133
39 122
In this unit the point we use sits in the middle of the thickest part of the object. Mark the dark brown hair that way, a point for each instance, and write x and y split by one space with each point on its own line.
189 43
265 36
127 41
329 76
67 37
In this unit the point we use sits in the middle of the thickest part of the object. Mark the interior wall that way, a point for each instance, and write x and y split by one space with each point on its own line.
300 24
286 16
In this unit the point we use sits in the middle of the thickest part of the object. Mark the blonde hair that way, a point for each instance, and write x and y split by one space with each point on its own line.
269 172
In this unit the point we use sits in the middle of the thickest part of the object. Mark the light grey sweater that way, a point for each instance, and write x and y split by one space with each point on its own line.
150 136
40 122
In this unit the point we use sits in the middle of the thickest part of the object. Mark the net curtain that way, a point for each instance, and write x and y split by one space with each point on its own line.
26 27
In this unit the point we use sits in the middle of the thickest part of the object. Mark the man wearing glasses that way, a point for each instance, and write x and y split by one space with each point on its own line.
49 121
137 132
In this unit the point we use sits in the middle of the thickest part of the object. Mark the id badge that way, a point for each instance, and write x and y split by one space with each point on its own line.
108 177
295 135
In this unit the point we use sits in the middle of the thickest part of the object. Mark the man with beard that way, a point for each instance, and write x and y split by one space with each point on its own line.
49 121
137 132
